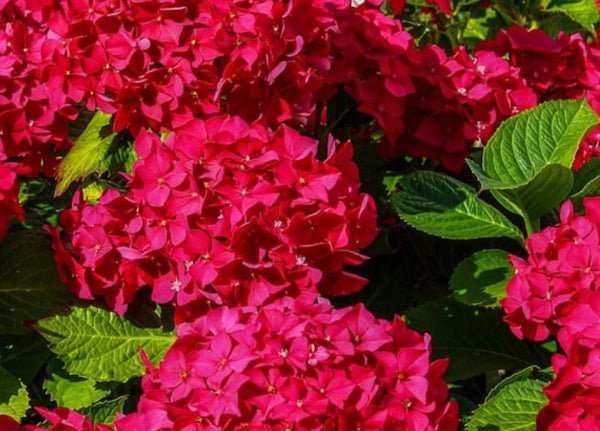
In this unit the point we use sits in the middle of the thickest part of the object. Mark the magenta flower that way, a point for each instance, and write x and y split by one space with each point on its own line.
228 212
244 367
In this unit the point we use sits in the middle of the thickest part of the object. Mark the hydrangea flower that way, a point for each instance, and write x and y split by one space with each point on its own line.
556 292
565 67
295 365
222 211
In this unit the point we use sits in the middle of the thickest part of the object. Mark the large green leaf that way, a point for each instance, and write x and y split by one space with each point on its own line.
527 162
442 206
29 285
514 408
481 278
526 143
475 339
100 345
89 154
584 12
14 399
71 391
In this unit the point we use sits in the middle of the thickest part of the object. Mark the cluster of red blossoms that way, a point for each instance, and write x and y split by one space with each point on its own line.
295 365
292 365
557 292
160 64
235 211
225 212
562 68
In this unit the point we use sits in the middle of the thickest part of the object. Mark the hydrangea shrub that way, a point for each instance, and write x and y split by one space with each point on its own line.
213 215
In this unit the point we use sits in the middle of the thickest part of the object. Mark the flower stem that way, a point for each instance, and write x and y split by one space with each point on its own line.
531 225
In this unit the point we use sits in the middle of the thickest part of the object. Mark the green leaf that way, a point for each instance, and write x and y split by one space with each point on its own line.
548 134
442 206
584 12
475 339
587 182
481 279
556 23
519 376
483 23
100 345
549 188
29 285
104 412
23 355
527 162
14 399
487 183
71 391
122 154
514 408
89 153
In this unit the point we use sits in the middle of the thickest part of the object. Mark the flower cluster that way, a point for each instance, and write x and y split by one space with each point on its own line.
428 104
556 291
460 100
222 211
159 65
33 116
156 64
295 365
563 68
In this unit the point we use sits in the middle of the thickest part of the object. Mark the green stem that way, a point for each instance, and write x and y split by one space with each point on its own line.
531 225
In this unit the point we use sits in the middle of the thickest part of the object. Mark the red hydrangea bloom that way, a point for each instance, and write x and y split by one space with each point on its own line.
560 272
33 118
556 291
574 393
562 68
160 65
221 211
460 100
295 364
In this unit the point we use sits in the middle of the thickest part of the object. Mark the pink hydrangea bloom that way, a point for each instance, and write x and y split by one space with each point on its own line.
222 211
556 291
295 364
562 68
